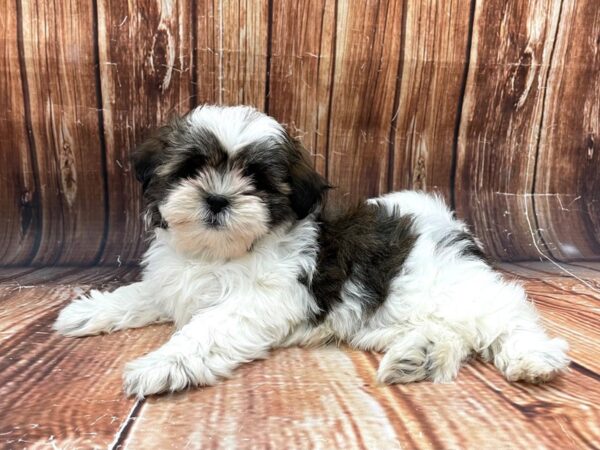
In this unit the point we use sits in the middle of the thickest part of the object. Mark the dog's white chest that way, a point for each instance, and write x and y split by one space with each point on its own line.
267 275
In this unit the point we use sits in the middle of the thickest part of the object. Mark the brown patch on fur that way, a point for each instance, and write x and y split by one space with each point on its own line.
365 245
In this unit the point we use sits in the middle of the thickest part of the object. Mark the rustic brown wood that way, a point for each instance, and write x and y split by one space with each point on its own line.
146 71
232 37
593 266
566 279
568 181
499 127
328 398
296 399
588 271
59 68
104 277
56 391
574 323
11 273
67 392
367 53
18 190
374 89
432 78
206 51
300 71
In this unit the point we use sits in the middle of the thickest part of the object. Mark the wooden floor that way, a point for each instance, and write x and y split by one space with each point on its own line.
66 393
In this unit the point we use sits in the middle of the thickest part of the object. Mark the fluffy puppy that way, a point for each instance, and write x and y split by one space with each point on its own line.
243 260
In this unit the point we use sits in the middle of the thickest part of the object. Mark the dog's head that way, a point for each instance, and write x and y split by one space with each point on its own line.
220 178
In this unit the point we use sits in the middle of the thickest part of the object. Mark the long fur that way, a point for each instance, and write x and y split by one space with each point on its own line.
268 268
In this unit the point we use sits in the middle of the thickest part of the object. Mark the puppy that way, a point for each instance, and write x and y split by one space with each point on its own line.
243 259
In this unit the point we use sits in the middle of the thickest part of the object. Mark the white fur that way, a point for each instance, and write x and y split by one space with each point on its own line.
236 126
441 308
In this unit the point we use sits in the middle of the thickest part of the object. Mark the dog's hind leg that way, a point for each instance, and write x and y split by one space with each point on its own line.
530 355
526 353
521 349
431 352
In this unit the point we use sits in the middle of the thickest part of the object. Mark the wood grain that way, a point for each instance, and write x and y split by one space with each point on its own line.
568 207
18 191
295 399
232 51
146 70
100 277
56 391
301 70
430 88
588 271
10 273
59 70
328 398
67 392
499 128
206 51
493 104
367 53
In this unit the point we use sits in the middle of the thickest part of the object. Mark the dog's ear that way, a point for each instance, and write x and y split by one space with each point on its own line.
147 156
307 186
146 159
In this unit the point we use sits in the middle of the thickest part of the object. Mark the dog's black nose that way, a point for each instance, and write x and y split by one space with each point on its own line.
217 203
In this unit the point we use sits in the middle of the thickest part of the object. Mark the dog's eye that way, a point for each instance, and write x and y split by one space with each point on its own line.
259 177
250 170
189 167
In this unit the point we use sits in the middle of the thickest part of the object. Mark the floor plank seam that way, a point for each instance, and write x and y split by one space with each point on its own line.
584 370
123 432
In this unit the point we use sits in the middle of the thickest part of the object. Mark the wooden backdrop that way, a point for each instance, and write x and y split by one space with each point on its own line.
495 104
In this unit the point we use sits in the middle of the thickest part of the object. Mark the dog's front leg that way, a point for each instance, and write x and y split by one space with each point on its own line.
98 312
209 347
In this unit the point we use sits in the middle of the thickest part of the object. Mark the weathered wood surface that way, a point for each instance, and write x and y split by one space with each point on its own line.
232 52
145 66
432 79
498 137
493 104
57 392
569 156
301 72
327 398
66 393
367 48
59 68
18 189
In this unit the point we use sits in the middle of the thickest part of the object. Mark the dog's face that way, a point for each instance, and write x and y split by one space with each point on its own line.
220 178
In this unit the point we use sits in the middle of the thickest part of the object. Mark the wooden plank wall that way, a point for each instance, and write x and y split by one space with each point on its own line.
494 104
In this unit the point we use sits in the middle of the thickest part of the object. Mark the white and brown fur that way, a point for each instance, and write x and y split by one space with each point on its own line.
243 259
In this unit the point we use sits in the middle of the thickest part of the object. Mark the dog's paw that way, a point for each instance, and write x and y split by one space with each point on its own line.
424 354
404 365
162 371
82 317
539 365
